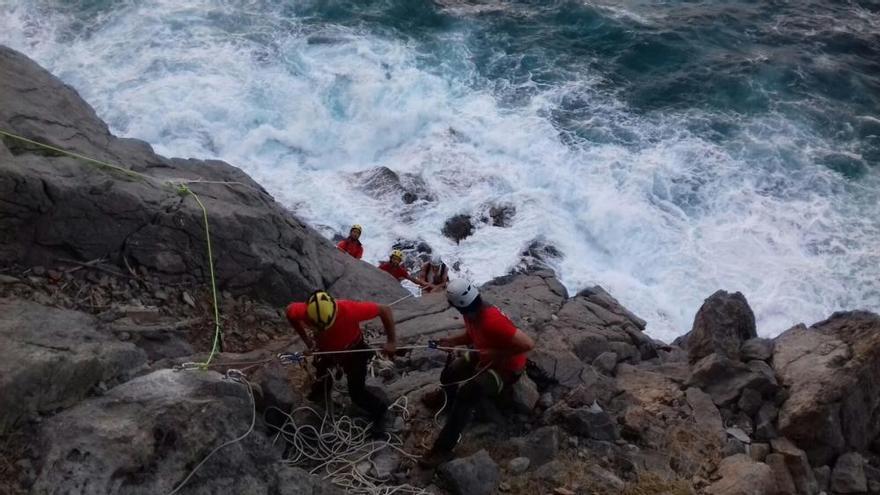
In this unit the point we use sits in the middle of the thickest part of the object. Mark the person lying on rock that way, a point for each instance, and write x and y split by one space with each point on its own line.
436 274
497 362
394 266
326 324
352 244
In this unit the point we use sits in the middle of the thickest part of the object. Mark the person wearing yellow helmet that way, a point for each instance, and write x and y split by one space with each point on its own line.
328 324
352 244
395 267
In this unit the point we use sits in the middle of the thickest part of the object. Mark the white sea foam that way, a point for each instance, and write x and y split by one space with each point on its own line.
661 224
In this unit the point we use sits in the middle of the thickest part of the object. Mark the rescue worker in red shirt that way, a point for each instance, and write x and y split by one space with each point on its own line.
327 324
497 362
352 244
394 266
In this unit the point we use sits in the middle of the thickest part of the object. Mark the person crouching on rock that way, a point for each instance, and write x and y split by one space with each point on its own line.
498 361
352 244
394 267
326 324
435 273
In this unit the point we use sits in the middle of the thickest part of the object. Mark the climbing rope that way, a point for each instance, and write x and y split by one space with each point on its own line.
218 333
339 449
236 376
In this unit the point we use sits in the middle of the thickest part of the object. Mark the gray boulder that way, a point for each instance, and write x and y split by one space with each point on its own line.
756 349
848 475
145 436
798 465
721 325
724 378
474 475
539 446
740 475
52 358
832 373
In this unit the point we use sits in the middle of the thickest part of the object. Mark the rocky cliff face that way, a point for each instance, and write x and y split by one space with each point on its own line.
102 292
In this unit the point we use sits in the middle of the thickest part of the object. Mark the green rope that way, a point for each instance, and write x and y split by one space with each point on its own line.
183 190
77 155
218 334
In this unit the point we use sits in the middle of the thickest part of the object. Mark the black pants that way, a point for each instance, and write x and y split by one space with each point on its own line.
355 367
463 399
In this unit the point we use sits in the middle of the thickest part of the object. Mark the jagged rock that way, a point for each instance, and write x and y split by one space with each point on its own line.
742 476
51 358
759 451
760 349
554 473
518 465
742 422
590 422
298 481
848 475
383 183
823 477
732 447
721 325
604 481
705 413
529 300
750 401
832 373
474 475
525 395
765 421
277 395
872 474
798 465
606 362
68 209
501 215
784 482
540 446
739 434
145 436
539 255
458 228
603 299
724 378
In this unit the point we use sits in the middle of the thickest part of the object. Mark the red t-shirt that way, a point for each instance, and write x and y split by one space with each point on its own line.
398 272
354 248
492 329
345 330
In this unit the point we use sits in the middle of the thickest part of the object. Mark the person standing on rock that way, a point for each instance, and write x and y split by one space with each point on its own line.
497 361
435 273
326 324
394 267
352 244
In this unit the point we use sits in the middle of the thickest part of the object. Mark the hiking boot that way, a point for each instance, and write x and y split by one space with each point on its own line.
435 458
435 400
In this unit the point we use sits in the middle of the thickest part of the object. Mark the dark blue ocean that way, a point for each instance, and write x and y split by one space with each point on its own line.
666 148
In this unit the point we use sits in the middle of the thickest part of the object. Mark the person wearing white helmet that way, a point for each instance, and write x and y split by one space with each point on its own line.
497 361
435 273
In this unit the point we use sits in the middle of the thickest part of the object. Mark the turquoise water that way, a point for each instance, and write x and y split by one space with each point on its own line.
667 149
